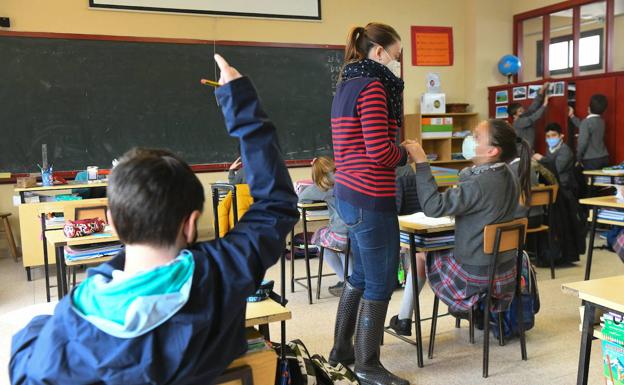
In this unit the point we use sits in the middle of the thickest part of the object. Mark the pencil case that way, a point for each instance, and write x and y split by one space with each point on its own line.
83 227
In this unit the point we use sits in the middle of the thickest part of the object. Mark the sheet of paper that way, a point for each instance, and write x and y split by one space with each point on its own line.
422 219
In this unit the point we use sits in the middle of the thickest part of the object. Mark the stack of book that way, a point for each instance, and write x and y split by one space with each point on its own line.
312 214
255 341
613 348
84 252
445 176
611 215
432 240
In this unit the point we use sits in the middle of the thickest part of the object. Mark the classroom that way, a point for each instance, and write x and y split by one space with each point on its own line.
443 161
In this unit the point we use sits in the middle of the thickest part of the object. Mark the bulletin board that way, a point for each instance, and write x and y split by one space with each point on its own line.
432 46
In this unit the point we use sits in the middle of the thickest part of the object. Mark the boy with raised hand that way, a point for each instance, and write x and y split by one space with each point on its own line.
524 120
167 310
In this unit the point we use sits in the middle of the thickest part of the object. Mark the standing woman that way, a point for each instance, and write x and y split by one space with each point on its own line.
366 115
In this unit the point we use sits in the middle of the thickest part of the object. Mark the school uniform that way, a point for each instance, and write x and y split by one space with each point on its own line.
561 158
406 193
486 194
182 323
524 125
591 150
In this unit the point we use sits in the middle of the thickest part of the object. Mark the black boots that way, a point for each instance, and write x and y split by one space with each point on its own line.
345 326
402 327
368 335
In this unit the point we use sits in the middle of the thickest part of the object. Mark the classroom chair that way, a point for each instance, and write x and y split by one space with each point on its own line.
9 235
544 196
498 238
320 271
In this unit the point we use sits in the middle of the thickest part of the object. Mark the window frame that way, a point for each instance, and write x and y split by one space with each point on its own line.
539 60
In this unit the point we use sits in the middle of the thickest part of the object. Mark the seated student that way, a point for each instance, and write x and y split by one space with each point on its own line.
333 236
591 150
559 156
487 193
236 172
567 223
167 310
524 120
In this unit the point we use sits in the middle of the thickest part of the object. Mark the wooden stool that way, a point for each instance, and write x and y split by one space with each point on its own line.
9 233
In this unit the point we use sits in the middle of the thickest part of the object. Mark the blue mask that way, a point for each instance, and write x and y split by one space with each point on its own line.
553 142
468 147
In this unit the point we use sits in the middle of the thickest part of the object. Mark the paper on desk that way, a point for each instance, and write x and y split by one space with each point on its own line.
421 219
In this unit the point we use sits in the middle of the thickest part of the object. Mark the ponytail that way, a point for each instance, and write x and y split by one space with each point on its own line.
503 136
361 39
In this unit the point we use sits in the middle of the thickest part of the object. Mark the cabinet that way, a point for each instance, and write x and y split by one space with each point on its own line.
444 147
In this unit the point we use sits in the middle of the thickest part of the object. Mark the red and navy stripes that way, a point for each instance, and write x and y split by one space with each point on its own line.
364 145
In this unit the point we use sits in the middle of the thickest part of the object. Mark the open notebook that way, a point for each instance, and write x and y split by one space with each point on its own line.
421 219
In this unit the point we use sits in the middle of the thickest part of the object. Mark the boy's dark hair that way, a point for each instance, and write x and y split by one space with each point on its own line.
150 193
597 104
553 127
513 108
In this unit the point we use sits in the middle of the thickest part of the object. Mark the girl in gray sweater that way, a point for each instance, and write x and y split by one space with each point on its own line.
487 193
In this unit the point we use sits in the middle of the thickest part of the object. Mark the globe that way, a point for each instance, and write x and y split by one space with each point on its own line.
509 65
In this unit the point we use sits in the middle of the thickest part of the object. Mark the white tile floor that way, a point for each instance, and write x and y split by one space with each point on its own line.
552 345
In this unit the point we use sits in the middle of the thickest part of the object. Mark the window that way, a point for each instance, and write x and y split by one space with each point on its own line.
561 53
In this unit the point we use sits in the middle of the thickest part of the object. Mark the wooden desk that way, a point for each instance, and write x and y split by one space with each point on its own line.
303 209
59 187
412 229
615 177
58 240
595 204
606 294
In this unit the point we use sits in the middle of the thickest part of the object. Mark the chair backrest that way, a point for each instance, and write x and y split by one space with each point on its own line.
216 188
512 235
87 212
543 195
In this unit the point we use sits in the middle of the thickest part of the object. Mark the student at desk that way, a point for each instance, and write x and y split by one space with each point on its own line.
332 237
168 310
487 193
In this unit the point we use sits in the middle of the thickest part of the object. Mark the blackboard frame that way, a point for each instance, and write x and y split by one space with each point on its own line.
198 168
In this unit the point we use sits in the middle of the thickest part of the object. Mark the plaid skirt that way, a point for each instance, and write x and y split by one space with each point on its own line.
326 238
461 286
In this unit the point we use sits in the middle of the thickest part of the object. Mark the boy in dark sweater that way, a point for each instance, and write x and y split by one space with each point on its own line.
591 150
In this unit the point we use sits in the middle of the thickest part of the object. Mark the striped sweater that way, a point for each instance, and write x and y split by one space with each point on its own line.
364 145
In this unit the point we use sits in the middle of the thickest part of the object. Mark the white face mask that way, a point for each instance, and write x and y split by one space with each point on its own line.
469 147
393 65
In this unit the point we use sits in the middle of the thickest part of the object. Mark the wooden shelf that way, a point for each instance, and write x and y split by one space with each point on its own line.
447 138
459 137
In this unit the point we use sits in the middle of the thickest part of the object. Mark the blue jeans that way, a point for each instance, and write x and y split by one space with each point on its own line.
374 239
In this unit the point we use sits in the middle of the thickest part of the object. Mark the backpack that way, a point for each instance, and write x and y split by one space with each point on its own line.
297 247
529 304
300 369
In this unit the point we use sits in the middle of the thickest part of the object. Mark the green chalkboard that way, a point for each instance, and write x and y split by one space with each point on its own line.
91 100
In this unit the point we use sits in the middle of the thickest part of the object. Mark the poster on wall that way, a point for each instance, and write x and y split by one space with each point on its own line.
519 93
502 97
533 90
432 46
556 89
284 9
501 112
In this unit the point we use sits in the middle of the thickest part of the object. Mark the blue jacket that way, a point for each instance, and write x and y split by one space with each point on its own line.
196 342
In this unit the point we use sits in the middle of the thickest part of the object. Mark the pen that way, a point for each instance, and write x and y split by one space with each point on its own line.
207 82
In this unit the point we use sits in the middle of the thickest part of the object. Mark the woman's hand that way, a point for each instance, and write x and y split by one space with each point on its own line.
228 73
416 152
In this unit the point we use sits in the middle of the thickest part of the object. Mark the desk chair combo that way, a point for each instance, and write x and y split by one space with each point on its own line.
9 234
498 238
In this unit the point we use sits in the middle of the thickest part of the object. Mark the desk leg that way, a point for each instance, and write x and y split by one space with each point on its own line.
61 252
59 278
586 341
283 302
45 257
414 267
590 248
28 275
292 260
307 255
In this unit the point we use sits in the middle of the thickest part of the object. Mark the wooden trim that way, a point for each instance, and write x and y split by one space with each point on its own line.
576 37
609 42
519 49
551 9
146 39
568 79
546 46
